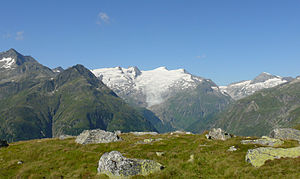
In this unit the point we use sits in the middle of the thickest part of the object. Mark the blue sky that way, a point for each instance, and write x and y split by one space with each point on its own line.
225 41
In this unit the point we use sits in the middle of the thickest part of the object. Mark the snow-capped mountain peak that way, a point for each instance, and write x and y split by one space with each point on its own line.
152 85
245 88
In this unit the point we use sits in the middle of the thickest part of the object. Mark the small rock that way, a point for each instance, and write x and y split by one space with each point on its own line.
286 134
232 149
144 133
258 156
264 141
148 141
97 136
217 134
159 154
63 137
191 158
114 164
178 132
3 143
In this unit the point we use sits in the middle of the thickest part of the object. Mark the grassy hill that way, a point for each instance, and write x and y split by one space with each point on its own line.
54 158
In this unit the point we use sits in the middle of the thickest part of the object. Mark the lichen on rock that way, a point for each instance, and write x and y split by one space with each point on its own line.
258 156
286 134
115 165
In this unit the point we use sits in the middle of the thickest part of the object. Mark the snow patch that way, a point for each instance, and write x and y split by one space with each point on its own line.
8 62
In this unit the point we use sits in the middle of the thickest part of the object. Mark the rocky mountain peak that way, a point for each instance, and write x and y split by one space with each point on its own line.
11 59
264 76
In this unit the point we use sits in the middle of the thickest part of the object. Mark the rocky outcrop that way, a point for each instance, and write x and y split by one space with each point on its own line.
286 134
257 157
3 143
264 141
115 165
97 136
218 134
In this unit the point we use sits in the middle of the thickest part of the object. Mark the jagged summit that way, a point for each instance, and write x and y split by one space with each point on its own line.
11 59
264 76
15 66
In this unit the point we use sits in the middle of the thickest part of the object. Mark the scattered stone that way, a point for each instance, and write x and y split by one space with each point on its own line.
115 165
3 143
20 162
64 136
232 149
144 133
218 134
148 141
180 132
97 136
191 158
264 141
159 154
286 134
258 156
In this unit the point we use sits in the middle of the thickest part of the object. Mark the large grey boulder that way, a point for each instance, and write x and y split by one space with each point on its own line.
3 143
115 165
286 134
264 141
218 134
97 136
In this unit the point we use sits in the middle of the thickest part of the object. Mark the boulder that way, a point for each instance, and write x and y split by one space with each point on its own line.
3 143
218 134
286 134
144 133
264 141
115 165
97 136
258 156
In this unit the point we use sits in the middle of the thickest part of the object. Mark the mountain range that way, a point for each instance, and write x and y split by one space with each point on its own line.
242 89
176 97
39 102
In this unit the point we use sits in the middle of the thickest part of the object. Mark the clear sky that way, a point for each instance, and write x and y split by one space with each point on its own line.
223 40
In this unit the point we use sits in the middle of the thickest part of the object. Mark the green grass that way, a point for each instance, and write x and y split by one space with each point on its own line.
53 158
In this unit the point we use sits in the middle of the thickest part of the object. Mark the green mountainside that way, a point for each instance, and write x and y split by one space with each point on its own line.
191 106
259 113
41 104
